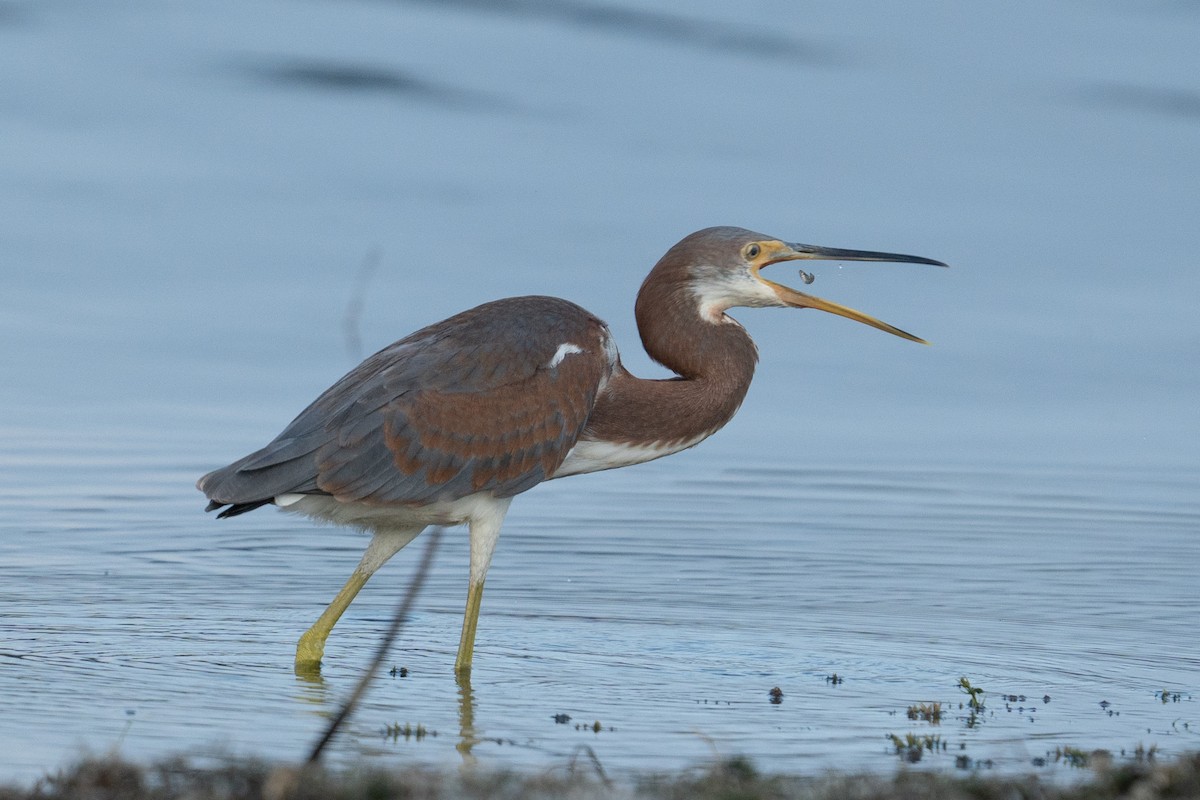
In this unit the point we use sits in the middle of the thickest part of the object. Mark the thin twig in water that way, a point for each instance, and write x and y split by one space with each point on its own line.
595 764
354 306
385 644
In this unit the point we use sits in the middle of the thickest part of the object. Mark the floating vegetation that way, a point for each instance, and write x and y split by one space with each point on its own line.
1143 754
834 679
1103 759
1021 701
398 671
974 694
561 719
776 695
964 761
595 727
913 746
1009 699
926 712
396 731
1073 756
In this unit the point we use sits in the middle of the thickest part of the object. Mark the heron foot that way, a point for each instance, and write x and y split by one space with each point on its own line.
310 649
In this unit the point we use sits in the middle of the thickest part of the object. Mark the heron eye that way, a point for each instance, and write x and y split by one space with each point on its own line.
752 251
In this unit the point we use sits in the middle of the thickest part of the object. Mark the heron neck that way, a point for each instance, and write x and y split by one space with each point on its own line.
714 363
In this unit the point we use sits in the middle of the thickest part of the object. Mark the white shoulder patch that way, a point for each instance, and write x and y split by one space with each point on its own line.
565 349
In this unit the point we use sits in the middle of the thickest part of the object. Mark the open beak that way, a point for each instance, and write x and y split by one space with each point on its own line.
790 297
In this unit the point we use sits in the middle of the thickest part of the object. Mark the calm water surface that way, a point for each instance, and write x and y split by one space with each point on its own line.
663 603
209 211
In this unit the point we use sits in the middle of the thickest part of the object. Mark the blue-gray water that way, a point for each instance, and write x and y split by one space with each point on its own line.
206 209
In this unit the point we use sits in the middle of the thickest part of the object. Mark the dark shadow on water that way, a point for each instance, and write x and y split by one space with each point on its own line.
750 39
13 13
340 77
1182 103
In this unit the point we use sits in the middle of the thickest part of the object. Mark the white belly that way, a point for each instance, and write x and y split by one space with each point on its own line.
592 456
473 508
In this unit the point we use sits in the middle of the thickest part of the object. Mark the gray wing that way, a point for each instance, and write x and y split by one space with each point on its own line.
492 400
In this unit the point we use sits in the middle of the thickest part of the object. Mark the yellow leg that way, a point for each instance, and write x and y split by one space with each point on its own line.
466 644
384 545
311 646
485 530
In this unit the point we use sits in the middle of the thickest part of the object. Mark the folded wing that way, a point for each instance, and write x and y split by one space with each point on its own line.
490 400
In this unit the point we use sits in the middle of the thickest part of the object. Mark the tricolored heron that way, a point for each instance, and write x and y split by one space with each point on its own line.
447 425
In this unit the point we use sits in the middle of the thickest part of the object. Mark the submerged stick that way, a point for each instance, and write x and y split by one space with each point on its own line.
385 644
354 306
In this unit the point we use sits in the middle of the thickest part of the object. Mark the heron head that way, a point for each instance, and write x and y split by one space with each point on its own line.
725 266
